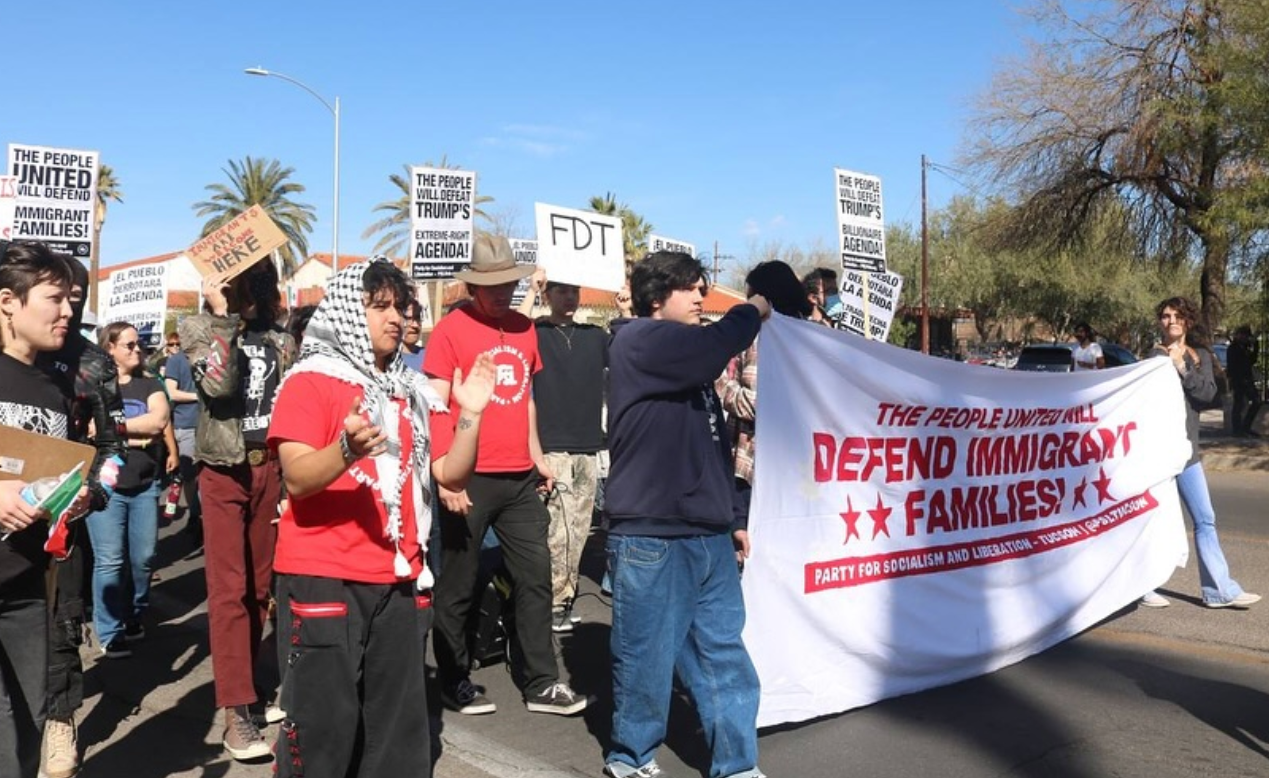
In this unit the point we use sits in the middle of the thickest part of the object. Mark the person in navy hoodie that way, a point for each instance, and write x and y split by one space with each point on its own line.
675 536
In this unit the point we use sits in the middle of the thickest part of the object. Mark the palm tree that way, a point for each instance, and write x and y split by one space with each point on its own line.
634 229
107 189
394 229
265 183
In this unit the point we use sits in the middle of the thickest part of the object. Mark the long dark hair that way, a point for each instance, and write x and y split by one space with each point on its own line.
777 282
109 337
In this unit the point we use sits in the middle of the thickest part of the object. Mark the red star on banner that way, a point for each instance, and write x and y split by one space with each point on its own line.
851 517
879 515
1103 487
1078 494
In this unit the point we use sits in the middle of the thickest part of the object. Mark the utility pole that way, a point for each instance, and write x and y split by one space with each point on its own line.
716 258
925 266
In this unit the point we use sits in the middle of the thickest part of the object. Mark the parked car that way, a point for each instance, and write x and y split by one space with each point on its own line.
1057 357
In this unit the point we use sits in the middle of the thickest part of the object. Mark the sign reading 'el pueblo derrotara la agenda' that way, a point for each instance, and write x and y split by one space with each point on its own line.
442 221
883 297
56 197
237 245
860 226
580 247
526 253
658 243
138 295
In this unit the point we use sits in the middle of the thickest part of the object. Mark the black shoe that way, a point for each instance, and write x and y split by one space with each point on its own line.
134 631
116 649
468 699
557 698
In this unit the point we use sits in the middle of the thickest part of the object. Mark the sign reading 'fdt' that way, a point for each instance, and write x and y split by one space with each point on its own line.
239 244
580 247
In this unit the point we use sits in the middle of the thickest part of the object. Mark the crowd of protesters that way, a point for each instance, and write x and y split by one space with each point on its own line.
343 475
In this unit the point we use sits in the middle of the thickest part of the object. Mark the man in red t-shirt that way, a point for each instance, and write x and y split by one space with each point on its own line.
351 428
503 492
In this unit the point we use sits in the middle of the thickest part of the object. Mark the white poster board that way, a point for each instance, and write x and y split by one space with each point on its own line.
582 248
659 243
861 228
56 197
138 295
442 221
883 299
526 253
8 202
950 519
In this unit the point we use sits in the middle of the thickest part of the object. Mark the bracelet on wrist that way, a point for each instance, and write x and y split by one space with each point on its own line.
345 449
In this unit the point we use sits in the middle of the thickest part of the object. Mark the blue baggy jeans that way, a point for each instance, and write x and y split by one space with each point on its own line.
677 609
124 532
1214 578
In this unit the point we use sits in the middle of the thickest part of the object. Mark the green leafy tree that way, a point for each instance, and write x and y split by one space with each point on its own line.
634 228
393 228
1156 106
267 184
108 189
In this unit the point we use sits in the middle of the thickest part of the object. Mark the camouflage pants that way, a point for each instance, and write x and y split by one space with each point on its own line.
570 507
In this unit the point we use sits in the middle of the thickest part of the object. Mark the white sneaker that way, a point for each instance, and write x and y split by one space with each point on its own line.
1244 600
61 749
1155 600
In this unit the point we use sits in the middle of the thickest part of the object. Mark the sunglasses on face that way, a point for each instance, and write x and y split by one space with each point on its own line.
130 345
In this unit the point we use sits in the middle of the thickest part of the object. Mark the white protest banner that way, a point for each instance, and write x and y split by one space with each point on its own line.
526 253
442 221
657 243
861 228
917 521
138 295
56 197
883 299
582 248
8 204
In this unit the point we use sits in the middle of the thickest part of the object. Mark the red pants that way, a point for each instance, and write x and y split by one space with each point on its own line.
239 505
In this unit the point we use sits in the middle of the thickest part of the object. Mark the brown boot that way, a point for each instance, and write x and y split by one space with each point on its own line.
243 740
61 749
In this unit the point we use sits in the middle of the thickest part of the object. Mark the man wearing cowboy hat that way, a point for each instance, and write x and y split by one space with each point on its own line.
502 493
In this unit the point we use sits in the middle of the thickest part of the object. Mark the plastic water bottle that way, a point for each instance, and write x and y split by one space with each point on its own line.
35 492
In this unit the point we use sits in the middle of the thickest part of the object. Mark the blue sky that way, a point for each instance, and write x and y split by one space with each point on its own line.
716 121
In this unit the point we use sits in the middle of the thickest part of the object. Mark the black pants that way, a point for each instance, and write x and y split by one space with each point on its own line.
1246 405
507 502
23 672
353 690
66 629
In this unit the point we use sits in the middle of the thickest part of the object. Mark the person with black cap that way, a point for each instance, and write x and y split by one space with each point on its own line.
503 492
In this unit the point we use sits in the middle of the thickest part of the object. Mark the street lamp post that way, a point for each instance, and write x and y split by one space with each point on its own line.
334 252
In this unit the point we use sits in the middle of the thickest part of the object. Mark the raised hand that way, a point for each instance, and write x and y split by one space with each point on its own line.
364 438
474 390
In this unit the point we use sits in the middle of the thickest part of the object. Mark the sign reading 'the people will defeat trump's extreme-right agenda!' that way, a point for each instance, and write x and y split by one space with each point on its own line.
442 221
861 228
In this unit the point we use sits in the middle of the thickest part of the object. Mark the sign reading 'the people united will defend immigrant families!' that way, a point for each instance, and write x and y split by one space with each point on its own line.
55 198
442 220
860 226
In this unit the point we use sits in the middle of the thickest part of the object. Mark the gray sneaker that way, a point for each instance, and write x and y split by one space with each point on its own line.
557 698
560 621
243 740
623 770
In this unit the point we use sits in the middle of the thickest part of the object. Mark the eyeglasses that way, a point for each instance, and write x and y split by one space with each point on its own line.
174 345
131 345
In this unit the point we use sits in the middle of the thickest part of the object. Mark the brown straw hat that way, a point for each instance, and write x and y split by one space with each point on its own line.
492 263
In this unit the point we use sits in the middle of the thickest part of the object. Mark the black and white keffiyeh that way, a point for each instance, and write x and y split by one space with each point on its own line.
337 344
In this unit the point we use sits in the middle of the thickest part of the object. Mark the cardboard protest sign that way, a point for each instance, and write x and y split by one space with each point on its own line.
526 253
883 298
30 456
56 197
580 247
8 204
860 225
138 295
442 221
239 244
657 243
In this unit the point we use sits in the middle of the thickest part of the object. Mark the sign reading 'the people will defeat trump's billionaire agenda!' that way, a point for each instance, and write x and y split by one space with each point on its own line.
861 227
949 519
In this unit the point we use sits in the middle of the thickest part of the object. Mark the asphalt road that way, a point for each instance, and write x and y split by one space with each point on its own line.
1182 691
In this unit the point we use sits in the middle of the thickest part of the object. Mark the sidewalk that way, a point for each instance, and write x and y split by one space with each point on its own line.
1223 451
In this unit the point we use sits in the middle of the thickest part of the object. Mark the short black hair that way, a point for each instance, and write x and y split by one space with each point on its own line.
297 322
381 277
820 275
26 264
659 274
259 284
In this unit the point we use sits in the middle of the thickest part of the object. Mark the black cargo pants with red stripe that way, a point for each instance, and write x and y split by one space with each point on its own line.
353 686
